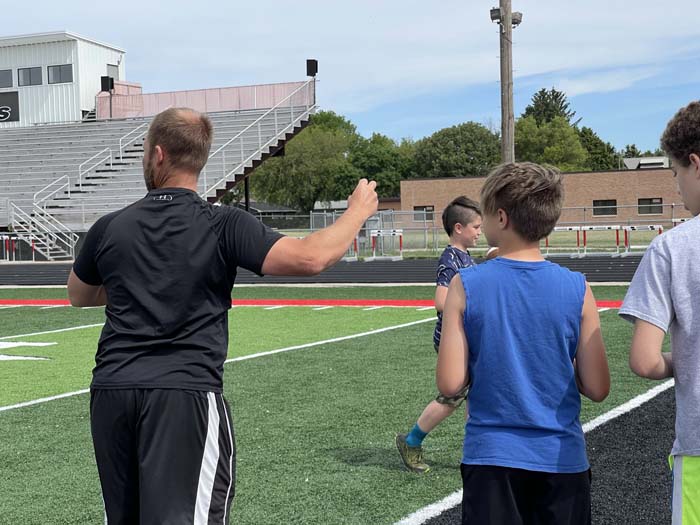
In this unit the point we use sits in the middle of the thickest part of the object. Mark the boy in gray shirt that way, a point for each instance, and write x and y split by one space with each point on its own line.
664 297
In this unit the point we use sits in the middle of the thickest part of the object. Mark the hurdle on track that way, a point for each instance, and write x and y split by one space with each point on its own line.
378 244
620 250
353 252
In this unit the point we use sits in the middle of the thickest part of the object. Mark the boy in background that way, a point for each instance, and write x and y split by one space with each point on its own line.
662 298
462 222
525 334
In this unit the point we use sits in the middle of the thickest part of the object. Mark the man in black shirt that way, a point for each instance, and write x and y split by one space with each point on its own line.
165 267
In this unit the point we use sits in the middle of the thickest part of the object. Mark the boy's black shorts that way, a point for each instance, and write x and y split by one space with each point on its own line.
163 456
502 495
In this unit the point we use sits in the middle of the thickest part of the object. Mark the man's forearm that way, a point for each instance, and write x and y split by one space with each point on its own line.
330 244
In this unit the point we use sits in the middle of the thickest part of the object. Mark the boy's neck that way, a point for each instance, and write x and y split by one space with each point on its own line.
459 245
519 250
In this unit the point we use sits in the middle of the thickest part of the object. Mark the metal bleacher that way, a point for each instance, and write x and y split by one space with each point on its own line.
56 180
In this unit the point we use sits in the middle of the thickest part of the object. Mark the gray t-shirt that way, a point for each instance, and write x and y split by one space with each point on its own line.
665 292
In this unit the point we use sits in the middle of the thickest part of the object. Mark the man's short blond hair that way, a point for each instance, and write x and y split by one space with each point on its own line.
531 195
185 135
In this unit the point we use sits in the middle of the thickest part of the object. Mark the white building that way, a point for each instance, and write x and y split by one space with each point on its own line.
53 77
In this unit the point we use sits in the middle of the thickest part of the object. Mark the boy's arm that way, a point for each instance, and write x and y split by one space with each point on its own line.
453 356
646 358
440 296
593 375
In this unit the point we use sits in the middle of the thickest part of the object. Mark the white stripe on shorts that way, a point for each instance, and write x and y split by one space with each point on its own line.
210 461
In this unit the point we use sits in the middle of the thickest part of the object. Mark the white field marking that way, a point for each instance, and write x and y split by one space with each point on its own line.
422 515
603 310
630 405
15 344
423 309
12 306
20 358
327 341
44 400
322 308
243 358
274 307
369 308
53 306
52 331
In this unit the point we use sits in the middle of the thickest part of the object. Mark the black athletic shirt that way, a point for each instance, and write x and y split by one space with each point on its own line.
168 263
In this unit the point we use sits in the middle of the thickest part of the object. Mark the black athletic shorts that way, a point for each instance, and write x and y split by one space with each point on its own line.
511 496
163 456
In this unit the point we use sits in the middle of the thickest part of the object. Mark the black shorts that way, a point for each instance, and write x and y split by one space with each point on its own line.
502 495
163 456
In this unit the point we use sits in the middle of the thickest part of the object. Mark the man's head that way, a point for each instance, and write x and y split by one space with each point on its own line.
178 142
522 199
462 222
681 141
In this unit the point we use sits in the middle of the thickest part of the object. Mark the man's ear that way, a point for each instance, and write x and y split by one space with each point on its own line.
159 154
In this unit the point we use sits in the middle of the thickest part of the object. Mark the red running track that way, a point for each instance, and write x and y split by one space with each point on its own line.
287 302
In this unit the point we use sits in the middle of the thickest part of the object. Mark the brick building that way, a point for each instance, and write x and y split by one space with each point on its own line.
643 196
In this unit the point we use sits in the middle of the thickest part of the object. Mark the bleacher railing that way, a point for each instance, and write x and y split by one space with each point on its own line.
50 237
123 142
297 105
98 158
52 189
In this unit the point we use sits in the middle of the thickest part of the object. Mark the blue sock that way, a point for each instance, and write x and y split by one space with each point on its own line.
415 437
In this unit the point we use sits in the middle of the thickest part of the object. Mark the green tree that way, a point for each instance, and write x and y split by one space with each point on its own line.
379 158
546 105
601 155
555 143
466 150
315 166
631 151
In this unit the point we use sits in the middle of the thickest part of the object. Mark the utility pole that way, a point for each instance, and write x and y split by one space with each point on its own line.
506 20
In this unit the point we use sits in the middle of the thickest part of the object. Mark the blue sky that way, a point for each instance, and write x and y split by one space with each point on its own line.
408 68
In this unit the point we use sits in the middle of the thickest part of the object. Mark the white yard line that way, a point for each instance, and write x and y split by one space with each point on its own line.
242 358
431 511
274 307
370 308
52 331
318 308
425 308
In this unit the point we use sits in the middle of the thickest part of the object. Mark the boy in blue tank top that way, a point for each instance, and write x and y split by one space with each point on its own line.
462 222
524 333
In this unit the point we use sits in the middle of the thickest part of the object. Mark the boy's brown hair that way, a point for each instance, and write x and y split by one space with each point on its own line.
531 195
682 134
185 135
461 210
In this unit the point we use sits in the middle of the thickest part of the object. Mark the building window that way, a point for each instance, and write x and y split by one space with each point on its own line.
605 207
29 76
5 78
60 74
423 213
653 206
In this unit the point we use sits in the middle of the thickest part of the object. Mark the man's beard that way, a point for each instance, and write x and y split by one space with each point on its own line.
149 177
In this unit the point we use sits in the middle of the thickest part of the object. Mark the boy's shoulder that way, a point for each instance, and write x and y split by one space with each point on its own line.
454 257
683 238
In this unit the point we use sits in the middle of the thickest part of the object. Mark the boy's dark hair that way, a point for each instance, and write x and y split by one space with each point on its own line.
682 134
462 210
531 195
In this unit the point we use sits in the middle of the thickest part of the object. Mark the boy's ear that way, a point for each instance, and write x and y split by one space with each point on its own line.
458 228
695 163
502 219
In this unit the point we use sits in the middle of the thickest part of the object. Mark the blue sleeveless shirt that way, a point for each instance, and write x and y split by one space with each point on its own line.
522 322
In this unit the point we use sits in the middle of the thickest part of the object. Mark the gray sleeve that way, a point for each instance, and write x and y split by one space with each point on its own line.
649 294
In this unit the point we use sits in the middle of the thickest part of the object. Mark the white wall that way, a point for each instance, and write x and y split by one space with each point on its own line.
45 102
92 64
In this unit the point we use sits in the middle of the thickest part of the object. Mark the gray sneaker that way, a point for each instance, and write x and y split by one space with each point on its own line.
412 457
